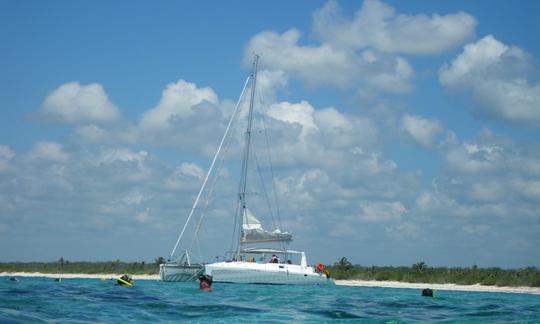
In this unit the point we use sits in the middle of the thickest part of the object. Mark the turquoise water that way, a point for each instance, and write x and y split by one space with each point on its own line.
91 300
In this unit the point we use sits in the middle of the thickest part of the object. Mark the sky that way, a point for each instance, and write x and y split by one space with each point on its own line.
400 131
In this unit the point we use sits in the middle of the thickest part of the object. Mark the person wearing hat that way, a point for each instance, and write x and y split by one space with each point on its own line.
205 282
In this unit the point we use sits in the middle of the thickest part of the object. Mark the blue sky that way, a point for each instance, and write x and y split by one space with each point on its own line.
405 131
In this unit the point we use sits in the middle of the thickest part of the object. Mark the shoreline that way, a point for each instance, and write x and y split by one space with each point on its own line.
355 283
448 286
76 275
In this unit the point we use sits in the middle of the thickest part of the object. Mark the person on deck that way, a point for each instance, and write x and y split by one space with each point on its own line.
274 259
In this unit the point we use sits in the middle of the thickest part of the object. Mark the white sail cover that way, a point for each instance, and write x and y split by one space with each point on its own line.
253 232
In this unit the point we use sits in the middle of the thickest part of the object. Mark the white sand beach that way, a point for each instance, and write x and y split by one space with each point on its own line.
76 275
478 288
358 283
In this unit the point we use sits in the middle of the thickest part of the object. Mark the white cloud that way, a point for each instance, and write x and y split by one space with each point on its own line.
372 162
315 64
186 173
476 229
91 134
496 76
529 189
331 119
144 216
396 79
424 131
269 82
178 101
485 178
476 59
303 135
403 230
474 157
513 100
376 25
325 64
94 134
426 201
382 211
76 103
360 51
300 114
133 198
6 154
49 152
192 169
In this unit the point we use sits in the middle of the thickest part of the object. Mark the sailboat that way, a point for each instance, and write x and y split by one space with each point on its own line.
248 261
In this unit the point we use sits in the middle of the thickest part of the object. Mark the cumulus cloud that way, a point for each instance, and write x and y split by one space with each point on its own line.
484 178
476 229
424 131
495 74
94 134
325 64
474 157
76 103
361 51
376 25
91 134
48 151
6 154
178 101
144 216
269 83
192 169
300 114
382 211
304 135
101 193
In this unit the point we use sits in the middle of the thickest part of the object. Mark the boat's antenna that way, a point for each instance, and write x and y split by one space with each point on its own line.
243 177
211 168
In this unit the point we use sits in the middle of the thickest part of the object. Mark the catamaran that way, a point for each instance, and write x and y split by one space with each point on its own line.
247 261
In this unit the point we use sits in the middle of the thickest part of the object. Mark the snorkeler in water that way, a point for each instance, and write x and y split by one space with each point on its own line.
205 282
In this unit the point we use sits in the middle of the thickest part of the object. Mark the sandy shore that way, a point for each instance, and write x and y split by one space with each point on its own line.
359 283
398 284
76 275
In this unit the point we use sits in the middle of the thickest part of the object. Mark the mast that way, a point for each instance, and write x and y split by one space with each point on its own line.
245 160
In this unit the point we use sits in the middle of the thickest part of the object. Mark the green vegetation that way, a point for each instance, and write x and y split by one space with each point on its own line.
342 269
65 266
422 273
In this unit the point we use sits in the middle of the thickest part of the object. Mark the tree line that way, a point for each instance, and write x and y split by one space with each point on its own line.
420 272
100 267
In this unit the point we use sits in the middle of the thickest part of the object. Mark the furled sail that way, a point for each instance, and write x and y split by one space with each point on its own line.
253 232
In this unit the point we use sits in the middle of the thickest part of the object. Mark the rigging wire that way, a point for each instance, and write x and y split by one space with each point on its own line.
214 181
274 191
209 172
264 188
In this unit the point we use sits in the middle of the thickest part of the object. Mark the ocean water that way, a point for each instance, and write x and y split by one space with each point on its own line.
36 300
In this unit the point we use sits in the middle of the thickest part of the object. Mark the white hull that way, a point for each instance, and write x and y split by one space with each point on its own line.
265 273
179 272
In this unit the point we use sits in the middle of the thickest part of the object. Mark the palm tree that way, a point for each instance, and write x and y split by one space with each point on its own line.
61 261
343 264
419 266
159 260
